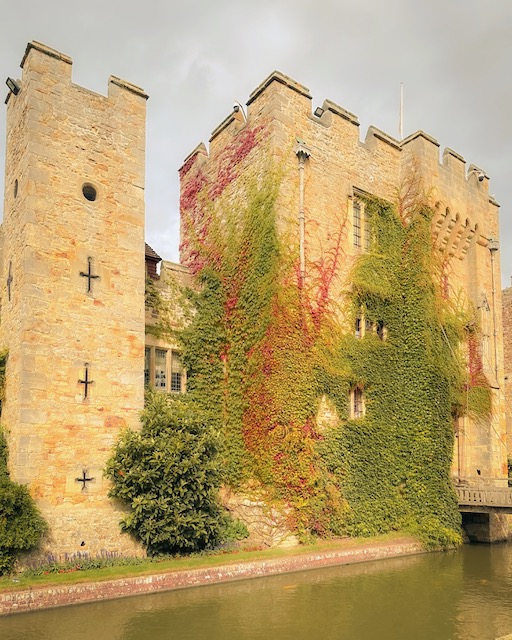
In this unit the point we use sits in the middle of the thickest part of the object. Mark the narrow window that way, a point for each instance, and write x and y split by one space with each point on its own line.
357 403
356 220
147 366
367 229
358 326
176 373
380 330
368 326
160 369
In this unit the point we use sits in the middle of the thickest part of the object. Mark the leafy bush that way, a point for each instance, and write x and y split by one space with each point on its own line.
21 525
168 475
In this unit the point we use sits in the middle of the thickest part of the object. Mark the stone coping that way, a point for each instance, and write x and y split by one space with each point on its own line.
57 596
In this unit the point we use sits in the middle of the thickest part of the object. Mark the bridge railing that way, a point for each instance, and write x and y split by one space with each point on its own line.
488 497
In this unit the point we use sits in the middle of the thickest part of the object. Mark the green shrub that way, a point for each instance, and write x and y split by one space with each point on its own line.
168 475
21 525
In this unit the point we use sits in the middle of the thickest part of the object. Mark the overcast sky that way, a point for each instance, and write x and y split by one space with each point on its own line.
196 57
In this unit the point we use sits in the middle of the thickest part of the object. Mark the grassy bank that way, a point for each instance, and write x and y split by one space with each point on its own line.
153 566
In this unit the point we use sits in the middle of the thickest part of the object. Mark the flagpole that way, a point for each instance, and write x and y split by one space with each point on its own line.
401 118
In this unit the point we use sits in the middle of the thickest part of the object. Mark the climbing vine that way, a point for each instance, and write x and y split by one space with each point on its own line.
3 365
167 307
394 463
263 352
249 351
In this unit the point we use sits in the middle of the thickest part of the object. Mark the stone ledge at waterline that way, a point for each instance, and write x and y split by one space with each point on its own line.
56 596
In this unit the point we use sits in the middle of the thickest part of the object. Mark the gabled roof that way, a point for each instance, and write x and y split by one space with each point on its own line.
151 254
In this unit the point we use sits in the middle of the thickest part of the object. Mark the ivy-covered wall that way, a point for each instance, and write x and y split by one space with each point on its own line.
394 463
263 350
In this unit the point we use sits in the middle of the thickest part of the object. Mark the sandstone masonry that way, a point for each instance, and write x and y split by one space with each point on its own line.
72 300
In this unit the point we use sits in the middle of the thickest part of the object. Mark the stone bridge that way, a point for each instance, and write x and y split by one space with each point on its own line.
484 500
484 511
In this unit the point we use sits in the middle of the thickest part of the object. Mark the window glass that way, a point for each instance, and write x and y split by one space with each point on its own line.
358 325
367 230
160 368
176 372
356 208
358 403
147 365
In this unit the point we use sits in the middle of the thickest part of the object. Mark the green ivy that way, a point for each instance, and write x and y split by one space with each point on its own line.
394 463
232 314
262 350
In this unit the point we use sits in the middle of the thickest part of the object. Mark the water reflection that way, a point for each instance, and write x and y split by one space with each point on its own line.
447 596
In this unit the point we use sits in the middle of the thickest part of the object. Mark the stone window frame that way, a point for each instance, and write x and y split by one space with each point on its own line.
360 224
163 369
357 403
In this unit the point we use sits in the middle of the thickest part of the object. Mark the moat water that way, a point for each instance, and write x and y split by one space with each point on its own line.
460 595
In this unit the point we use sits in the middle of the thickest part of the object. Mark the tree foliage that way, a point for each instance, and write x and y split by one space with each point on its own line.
21 525
168 476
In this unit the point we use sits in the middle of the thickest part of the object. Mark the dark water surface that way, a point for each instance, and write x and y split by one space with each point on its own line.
461 595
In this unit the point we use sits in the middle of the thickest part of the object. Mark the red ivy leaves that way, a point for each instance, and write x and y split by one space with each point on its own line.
198 248
475 364
232 156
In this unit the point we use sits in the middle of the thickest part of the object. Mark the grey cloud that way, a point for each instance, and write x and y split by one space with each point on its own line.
194 58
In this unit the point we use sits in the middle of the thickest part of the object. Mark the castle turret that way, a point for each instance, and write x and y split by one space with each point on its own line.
72 299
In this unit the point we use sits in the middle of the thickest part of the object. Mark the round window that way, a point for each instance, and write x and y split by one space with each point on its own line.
89 192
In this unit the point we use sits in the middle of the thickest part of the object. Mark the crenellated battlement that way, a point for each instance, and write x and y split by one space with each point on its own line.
287 104
39 60
279 78
43 48
280 110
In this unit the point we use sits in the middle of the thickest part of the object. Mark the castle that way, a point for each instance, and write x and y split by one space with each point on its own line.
73 265
326 169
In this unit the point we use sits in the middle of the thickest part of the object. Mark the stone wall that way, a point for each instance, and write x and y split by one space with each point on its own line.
340 166
507 351
17 601
74 208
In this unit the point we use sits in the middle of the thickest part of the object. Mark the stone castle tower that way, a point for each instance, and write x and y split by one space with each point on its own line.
72 294
324 167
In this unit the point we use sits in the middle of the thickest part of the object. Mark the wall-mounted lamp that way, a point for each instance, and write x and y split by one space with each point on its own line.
319 112
14 87
480 174
493 245
237 108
